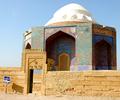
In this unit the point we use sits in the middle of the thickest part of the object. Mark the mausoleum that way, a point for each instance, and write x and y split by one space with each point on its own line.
72 54
74 41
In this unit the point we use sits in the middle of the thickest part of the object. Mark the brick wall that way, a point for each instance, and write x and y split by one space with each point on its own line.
37 83
86 83
17 77
83 83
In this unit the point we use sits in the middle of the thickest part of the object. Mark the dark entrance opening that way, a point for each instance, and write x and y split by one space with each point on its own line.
102 55
30 80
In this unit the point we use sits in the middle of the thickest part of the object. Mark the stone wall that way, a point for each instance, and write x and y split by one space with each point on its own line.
17 78
33 59
37 83
86 83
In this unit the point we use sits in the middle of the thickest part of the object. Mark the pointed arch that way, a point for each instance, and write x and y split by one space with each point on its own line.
103 55
28 46
57 44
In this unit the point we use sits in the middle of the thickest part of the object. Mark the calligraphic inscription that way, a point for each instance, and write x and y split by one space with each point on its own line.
35 63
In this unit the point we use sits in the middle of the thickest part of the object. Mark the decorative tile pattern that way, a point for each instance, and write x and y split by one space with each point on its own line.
37 38
84 46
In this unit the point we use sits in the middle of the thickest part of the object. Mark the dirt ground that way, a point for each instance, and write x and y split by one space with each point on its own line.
36 97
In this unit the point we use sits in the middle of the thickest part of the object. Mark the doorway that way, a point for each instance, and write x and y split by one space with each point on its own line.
30 80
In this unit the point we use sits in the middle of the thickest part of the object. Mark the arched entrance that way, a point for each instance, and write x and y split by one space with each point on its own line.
60 49
102 56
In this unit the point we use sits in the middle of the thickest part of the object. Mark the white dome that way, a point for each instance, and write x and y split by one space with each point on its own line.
71 12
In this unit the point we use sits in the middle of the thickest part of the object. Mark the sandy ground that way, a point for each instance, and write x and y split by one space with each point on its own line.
36 97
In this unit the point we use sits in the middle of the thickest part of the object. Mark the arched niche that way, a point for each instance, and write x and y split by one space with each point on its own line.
64 62
102 55
28 46
57 44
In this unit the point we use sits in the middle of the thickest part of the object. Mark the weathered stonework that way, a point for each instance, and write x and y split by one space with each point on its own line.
17 76
32 59
86 83
83 83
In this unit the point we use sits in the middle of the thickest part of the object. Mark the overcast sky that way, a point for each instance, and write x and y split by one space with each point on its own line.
17 16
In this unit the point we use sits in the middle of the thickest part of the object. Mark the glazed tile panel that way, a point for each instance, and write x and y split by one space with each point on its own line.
84 47
37 38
